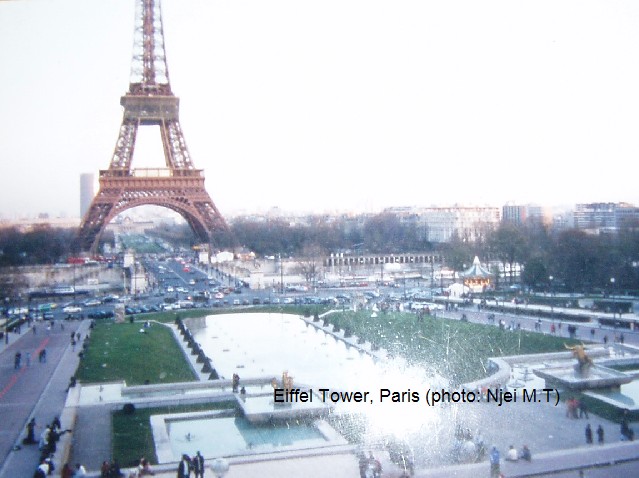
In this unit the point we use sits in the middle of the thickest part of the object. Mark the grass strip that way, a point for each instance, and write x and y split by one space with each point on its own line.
120 351
133 436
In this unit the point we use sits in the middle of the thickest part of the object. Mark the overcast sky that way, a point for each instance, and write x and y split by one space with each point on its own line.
334 104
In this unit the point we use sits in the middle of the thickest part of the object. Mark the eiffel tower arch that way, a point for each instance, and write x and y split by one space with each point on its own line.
150 102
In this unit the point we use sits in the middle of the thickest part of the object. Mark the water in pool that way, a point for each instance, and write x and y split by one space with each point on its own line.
235 436
258 345
265 345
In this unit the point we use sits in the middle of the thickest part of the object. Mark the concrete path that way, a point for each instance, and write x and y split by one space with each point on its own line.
36 390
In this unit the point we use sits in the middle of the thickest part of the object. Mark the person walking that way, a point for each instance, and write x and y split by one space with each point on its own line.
583 409
588 434
600 435
16 361
30 438
198 465
144 468
67 471
494 463
80 471
184 467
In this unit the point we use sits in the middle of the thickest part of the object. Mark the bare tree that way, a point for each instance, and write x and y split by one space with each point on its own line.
311 263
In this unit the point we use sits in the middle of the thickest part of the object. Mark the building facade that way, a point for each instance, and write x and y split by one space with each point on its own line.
441 224
605 217
526 214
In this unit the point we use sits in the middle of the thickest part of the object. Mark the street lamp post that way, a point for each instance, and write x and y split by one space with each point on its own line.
432 277
135 281
404 285
281 275
552 312
612 295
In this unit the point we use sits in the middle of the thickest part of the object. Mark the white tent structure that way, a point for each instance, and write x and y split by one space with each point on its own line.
456 291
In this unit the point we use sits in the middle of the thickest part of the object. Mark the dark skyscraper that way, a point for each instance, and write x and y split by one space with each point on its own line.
86 192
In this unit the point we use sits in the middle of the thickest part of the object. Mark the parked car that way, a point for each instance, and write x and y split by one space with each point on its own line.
72 309
101 314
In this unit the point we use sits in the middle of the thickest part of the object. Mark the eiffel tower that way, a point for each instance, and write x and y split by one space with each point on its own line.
150 101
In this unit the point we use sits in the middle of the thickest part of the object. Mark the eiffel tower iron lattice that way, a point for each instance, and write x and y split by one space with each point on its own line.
150 101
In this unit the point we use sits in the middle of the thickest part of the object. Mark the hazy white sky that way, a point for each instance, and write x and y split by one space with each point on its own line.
333 104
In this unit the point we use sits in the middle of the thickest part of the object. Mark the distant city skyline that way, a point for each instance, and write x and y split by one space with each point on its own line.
339 106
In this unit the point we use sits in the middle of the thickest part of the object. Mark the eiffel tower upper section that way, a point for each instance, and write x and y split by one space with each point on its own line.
150 102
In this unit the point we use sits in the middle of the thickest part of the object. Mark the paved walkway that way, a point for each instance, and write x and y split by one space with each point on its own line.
585 331
618 460
37 390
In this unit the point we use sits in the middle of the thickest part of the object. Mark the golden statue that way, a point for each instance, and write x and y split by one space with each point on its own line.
579 352
287 381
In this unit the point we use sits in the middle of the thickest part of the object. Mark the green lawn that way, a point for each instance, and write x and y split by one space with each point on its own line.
122 352
457 350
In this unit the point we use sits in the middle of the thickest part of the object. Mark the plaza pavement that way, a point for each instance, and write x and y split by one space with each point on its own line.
40 391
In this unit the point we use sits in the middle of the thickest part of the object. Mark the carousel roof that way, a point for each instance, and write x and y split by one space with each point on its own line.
476 270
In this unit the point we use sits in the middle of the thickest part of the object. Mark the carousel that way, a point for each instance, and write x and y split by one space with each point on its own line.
477 278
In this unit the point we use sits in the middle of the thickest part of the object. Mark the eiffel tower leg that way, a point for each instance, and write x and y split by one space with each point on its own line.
183 193
92 225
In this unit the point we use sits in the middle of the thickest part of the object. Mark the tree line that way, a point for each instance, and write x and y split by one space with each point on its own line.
576 260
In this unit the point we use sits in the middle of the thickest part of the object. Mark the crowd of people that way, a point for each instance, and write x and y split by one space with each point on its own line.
110 469
47 445
49 434
512 455
576 408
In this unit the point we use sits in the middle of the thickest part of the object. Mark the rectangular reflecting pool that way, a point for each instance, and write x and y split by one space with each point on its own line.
235 435
261 344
